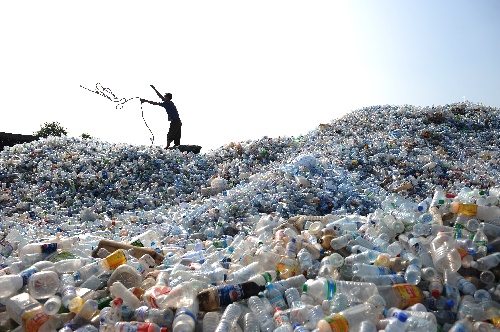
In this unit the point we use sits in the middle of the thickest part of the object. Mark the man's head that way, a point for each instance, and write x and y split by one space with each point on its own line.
168 96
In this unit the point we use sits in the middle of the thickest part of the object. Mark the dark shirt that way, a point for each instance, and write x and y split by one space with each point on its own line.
171 110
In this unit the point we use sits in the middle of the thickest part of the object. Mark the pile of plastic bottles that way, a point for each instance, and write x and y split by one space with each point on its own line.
386 219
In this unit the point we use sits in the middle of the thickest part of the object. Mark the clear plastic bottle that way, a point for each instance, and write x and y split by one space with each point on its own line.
324 289
291 248
341 241
314 315
250 322
462 325
386 279
297 327
487 262
444 253
366 257
108 318
210 321
266 322
349 319
361 269
127 275
305 259
413 274
281 321
482 212
71 265
275 297
401 295
44 284
298 309
162 317
84 315
245 273
229 318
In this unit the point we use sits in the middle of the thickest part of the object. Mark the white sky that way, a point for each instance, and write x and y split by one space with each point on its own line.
238 70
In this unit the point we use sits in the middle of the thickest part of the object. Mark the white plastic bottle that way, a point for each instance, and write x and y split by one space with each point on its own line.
349 319
117 289
361 269
397 323
413 274
52 305
185 318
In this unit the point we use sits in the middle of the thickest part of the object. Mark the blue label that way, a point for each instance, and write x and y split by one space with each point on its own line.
26 274
278 302
331 289
229 293
48 248
185 311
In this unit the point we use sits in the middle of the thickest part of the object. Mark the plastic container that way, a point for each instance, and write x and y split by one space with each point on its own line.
349 319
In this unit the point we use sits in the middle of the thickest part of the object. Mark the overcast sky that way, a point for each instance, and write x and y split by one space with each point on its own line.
238 70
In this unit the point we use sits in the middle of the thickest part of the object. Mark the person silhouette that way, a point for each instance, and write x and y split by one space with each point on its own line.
174 131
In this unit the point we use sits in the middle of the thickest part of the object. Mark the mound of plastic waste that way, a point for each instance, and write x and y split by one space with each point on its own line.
390 211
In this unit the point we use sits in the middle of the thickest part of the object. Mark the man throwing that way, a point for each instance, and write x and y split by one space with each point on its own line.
174 132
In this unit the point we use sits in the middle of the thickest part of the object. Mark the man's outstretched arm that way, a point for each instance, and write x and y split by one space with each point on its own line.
159 94
149 102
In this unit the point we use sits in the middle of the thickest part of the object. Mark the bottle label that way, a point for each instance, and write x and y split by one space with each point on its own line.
115 259
157 291
332 288
141 313
410 294
337 323
185 311
48 248
281 318
463 252
468 209
33 319
229 294
137 243
26 274
278 302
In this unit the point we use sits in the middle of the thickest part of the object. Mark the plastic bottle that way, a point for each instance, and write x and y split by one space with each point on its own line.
297 327
298 309
266 322
386 279
361 269
444 254
281 321
366 257
117 289
44 284
108 318
265 277
324 289
250 323
67 289
401 295
275 297
48 248
162 317
397 323
349 319
52 305
210 321
185 318
229 318
29 313
220 296
245 273
485 213
341 241
462 325
84 315
487 262
182 295
291 248
110 262
314 315
305 259
413 274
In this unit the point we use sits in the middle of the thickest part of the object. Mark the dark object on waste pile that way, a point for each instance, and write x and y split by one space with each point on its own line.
137 252
8 139
216 297
186 148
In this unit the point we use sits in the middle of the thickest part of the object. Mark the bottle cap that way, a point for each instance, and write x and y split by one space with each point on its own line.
304 287
402 317
435 293
450 303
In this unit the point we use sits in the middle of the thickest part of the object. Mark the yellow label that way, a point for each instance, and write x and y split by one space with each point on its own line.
463 252
33 319
115 259
410 295
468 209
337 323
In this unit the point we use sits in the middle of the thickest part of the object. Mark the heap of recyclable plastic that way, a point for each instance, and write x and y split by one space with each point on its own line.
384 219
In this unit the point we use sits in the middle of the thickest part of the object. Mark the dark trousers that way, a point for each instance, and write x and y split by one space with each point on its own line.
174 132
